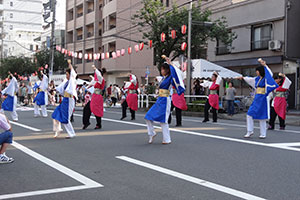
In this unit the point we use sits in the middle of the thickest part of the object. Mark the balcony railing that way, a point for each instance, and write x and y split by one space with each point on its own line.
260 44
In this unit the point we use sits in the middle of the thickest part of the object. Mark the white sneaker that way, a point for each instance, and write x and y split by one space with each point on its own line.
5 159
151 138
248 135
262 137
57 133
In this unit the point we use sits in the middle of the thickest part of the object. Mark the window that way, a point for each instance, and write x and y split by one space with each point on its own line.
11 15
167 3
11 27
11 4
112 21
31 47
20 35
222 48
261 35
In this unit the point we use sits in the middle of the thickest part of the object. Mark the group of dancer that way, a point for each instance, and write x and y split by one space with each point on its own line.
170 96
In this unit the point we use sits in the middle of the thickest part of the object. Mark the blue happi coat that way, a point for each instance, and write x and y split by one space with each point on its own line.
160 111
260 107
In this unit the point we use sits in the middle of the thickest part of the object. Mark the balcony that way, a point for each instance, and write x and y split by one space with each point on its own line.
90 34
79 37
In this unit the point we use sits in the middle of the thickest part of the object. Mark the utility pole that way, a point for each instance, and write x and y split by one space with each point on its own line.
188 70
2 38
52 40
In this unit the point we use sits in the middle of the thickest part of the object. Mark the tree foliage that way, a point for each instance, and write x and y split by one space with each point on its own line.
20 65
153 19
43 57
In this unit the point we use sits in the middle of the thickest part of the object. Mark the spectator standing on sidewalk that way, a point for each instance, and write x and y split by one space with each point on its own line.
30 93
230 97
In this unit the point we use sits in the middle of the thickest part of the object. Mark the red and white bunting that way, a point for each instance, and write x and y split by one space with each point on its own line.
141 46
136 47
183 46
173 34
163 37
123 52
183 29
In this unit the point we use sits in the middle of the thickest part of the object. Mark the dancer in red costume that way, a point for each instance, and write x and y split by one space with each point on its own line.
132 97
179 103
279 103
213 98
95 106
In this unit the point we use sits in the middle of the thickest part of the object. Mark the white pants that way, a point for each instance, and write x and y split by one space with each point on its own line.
165 130
262 125
37 111
69 128
13 114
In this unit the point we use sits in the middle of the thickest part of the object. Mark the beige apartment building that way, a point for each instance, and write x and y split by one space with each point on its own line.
97 26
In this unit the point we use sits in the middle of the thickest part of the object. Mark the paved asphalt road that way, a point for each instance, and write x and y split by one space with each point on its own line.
204 162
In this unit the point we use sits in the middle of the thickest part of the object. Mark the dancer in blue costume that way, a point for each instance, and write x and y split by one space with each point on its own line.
160 111
263 84
41 98
63 112
10 102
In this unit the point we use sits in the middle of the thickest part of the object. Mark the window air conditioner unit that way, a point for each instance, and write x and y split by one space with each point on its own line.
274 45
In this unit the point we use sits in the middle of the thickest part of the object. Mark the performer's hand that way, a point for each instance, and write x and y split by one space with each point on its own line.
94 67
262 62
281 74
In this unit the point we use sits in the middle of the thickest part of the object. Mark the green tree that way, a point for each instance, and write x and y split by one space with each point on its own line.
43 57
153 20
20 65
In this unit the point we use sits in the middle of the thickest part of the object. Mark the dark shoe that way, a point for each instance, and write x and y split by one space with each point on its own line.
98 127
122 118
215 121
85 126
178 125
132 118
270 128
205 120
282 128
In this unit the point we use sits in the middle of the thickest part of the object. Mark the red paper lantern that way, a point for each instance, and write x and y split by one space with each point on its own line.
86 56
90 56
150 43
102 56
69 53
107 55
129 50
75 54
95 56
123 52
183 46
66 52
136 48
163 37
118 53
183 29
114 55
80 55
98 56
141 46
173 34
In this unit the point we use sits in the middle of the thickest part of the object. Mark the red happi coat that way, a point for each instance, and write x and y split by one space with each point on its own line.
132 99
179 101
213 99
280 102
97 99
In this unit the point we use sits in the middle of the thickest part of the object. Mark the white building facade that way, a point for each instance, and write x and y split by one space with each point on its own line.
21 22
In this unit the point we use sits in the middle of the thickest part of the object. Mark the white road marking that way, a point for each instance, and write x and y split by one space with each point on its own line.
245 141
25 126
87 183
288 144
191 179
218 123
